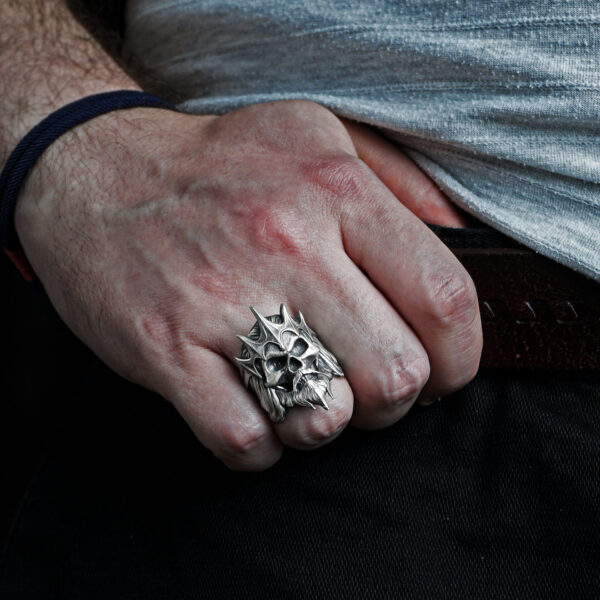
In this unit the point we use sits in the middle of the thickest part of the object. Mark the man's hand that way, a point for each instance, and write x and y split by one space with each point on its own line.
153 232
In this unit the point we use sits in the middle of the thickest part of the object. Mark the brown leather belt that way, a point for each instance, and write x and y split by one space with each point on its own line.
536 314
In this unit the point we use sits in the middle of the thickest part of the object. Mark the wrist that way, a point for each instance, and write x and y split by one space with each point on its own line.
47 60
36 109
42 137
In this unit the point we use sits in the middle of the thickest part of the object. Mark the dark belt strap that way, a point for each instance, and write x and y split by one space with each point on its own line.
536 314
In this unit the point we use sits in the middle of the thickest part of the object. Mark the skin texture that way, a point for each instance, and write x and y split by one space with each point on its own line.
153 231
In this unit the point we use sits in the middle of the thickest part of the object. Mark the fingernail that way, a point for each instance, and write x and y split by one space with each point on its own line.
428 401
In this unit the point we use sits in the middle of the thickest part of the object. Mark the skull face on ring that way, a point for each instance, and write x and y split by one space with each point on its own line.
285 364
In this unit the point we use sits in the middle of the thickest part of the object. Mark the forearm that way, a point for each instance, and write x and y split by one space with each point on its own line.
47 59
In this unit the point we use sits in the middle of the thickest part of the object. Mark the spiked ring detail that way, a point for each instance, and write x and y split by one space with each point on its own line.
285 364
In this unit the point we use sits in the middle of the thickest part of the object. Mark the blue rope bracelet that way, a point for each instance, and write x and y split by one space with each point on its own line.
32 146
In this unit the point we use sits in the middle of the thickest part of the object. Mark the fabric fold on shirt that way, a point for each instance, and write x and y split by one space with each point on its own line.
496 100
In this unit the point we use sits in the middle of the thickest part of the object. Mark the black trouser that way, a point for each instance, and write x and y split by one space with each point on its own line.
492 493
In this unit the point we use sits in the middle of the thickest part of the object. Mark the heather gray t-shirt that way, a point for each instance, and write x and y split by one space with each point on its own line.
497 100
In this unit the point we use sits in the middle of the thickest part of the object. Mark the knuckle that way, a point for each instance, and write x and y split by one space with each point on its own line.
453 298
342 176
311 116
296 126
279 231
239 444
401 380
328 426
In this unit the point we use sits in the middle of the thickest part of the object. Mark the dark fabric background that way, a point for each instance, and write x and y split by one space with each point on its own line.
493 492
39 353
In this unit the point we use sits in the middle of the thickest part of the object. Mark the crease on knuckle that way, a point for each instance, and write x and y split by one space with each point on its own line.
325 428
402 380
241 444
278 232
453 299
344 176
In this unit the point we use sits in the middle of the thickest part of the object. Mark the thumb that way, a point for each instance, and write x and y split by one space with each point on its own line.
404 178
